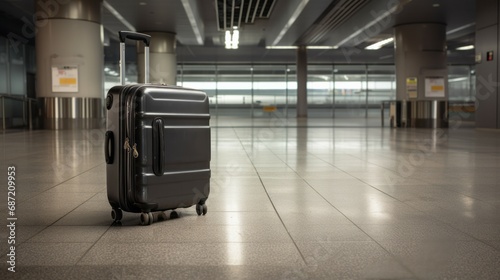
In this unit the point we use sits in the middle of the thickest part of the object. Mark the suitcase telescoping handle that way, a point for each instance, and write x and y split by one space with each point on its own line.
137 37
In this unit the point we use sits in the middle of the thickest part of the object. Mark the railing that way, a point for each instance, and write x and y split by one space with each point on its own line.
462 106
451 106
27 114
382 109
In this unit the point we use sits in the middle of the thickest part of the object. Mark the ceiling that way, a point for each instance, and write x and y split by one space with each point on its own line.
350 25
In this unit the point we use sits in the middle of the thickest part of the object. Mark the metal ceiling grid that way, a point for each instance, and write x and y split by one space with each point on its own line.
234 13
337 13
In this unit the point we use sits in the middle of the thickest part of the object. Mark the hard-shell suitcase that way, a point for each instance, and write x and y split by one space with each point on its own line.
157 146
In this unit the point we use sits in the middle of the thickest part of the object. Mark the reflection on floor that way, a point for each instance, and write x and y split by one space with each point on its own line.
288 201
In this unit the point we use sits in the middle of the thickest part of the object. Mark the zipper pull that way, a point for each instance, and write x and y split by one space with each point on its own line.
126 146
136 153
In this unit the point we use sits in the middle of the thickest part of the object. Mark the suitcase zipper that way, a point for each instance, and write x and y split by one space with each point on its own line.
129 178
127 146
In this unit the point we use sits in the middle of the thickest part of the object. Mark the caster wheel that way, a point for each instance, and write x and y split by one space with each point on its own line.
162 216
145 219
199 209
174 215
205 209
116 214
151 218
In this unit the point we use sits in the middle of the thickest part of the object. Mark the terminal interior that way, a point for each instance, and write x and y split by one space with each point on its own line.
326 161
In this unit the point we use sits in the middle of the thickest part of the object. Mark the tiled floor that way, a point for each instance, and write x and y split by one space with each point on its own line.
315 199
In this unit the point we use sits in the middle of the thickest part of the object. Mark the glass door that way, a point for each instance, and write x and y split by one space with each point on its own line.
234 90
381 87
320 91
350 91
269 90
202 77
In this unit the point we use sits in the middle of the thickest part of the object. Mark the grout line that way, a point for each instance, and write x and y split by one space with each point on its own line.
326 200
47 226
90 248
272 203
58 184
395 198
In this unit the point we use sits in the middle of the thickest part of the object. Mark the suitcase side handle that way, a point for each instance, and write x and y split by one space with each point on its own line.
158 146
109 147
134 36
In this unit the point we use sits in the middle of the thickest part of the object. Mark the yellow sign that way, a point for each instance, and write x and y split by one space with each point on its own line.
65 78
437 88
269 109
411 87
434 87
67 81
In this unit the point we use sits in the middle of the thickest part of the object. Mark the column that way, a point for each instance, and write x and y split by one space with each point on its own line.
163 61
487 63
421 74
301 82
69 58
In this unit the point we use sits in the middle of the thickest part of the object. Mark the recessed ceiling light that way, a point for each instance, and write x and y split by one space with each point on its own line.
379 44
322 47
435 5
307 47
281 47
143 3
464 48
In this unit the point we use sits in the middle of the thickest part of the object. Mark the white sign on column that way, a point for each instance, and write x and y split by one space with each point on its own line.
64 78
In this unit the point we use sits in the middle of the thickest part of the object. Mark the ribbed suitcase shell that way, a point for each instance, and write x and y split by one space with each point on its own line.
170 129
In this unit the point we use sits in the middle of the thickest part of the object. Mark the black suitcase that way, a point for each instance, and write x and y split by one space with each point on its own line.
157 147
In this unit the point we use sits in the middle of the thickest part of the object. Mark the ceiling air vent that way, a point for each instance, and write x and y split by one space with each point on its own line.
231 13
336 14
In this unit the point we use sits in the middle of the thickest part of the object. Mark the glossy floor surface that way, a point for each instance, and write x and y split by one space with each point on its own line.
289 200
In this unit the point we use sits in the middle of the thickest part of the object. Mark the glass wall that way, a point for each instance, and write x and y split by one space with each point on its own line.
243 90
320 90
3 66
349 91
461 83
381 87
13 82
234 89
290 107
201 77
462 92
269 89
17 71
12 68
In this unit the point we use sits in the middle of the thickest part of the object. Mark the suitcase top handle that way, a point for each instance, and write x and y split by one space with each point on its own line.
134 36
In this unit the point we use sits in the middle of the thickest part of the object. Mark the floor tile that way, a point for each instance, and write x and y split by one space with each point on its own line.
49 254
193 254
172 232
481 231
326 233
433 232
446 258
318 201
349 260
69 234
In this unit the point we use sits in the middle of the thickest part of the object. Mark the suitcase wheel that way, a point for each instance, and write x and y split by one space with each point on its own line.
201 209
116 214
174 215
147 218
